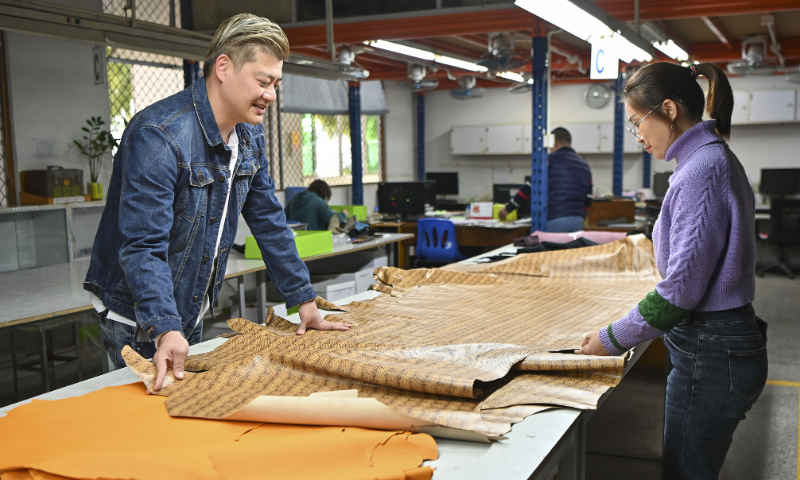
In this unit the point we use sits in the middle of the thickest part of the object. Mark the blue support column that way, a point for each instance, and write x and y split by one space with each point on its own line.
619 142
421 136
355 142
646 167
539 151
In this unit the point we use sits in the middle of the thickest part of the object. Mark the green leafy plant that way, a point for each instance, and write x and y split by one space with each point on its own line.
97 142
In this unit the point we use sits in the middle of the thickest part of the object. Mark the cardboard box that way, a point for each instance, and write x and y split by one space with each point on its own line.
328 287
511 217
481 210
361 279
308 244
360 211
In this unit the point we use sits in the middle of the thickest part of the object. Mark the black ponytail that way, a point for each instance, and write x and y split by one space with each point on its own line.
654 83
719 102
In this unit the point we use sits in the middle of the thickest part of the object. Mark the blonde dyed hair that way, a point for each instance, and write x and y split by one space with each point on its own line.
241 37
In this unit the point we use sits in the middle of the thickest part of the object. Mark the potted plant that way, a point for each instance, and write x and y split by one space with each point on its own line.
97 143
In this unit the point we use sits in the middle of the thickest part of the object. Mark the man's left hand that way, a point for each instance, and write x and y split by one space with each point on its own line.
592 346
311 318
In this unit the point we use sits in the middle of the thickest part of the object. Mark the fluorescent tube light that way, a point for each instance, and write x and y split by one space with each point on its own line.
402 49
672 50
514 76
426 55
577 21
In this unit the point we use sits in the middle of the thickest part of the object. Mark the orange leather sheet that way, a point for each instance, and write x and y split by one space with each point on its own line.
120 432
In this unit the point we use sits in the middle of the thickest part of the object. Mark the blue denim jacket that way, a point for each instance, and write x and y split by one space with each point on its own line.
152 256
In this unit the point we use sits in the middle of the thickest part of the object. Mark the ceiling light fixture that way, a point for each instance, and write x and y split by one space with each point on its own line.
425 55
574 17
514 76
672 50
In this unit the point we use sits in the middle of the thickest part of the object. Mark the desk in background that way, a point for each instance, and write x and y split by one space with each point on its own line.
485 236
608 210
48 292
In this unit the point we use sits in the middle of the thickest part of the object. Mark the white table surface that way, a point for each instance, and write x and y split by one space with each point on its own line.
533 448
46 292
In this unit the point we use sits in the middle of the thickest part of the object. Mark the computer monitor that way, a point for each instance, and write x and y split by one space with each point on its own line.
404 198
661 184
504 192
780 181
430 193
446 182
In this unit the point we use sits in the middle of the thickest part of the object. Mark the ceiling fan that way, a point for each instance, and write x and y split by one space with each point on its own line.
467 89
501 55
416 79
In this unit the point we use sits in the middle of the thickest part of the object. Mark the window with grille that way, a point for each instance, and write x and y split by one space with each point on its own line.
314 147
138 79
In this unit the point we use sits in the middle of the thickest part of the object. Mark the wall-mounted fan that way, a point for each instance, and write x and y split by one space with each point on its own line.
416 79
467 89
501 55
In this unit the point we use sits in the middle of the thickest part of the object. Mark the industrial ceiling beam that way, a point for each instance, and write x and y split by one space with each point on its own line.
719 30
421 27
711 52
660 10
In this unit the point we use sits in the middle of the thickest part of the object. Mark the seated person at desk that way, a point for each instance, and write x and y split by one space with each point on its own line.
186 168
569 188
311 207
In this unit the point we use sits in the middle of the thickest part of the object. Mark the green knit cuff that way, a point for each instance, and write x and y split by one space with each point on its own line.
660 313
614 340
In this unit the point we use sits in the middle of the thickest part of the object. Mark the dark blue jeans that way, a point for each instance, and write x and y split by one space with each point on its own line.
719 369
116 335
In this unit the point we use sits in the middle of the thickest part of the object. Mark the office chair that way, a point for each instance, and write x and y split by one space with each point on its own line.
436 241
290 192
784 231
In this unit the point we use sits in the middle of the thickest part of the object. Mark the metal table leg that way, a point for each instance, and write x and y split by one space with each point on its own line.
43 361
240 290
14 366
261 296
77 329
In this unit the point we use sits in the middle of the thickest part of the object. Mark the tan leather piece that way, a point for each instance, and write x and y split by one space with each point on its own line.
449 346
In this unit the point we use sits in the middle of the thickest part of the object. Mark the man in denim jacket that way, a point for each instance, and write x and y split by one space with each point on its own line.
186 168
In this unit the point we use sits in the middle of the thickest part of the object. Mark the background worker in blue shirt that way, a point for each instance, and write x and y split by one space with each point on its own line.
187 166
569 188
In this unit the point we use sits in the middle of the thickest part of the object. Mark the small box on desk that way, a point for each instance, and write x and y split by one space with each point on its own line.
361 279
309 243
481 210
360 211
330 288
54 182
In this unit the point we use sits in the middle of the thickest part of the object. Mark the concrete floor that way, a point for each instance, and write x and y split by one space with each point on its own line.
625 435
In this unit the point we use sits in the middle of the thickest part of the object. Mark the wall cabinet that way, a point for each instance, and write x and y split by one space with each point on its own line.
468 140
773 106
741 108
504 140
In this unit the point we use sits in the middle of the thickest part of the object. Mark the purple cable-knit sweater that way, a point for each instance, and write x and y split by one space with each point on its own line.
704 241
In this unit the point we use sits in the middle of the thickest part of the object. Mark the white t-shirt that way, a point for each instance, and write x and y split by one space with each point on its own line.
233 144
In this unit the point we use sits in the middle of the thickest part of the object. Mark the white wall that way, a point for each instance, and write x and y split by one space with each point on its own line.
52 94
757 146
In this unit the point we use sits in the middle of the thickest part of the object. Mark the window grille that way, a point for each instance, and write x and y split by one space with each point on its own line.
306 147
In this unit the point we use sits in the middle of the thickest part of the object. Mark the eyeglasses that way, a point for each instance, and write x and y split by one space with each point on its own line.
635 129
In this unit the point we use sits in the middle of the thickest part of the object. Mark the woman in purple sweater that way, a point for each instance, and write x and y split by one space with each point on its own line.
704 242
